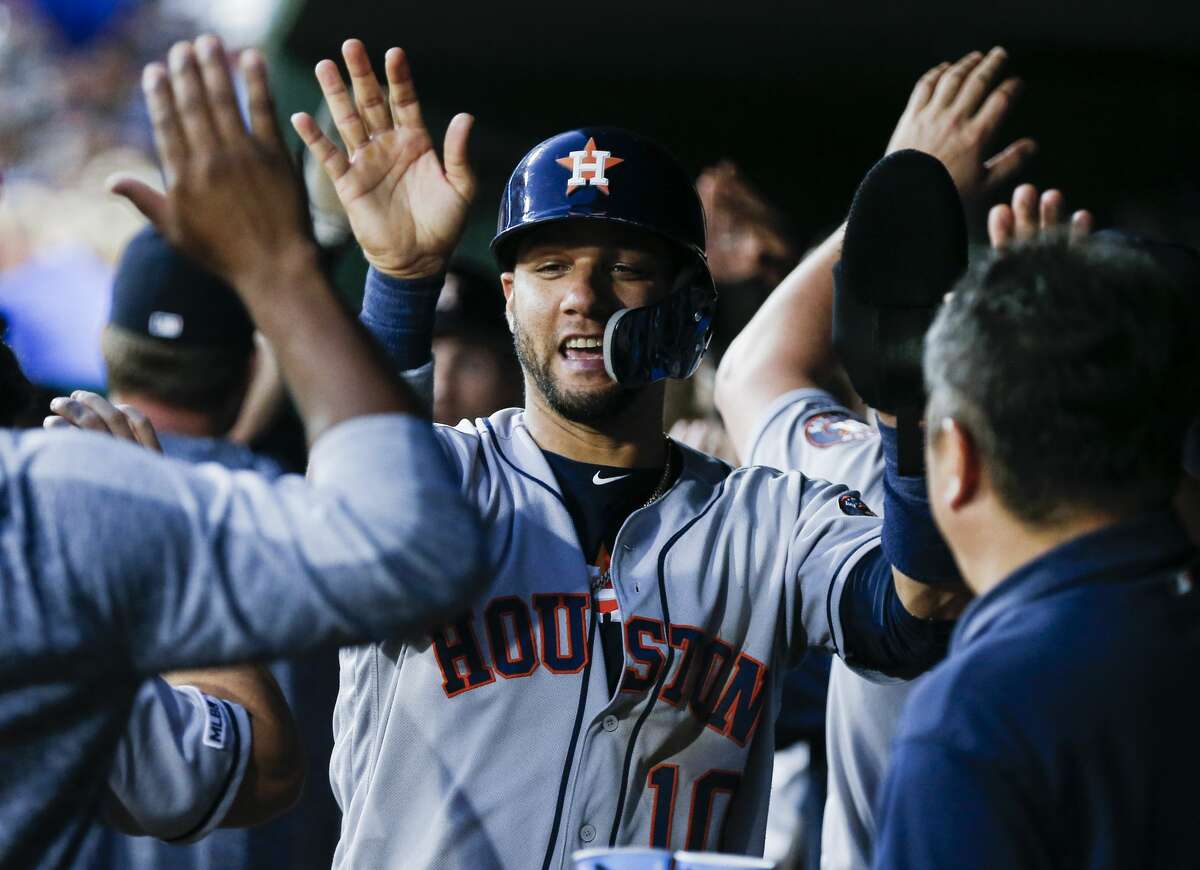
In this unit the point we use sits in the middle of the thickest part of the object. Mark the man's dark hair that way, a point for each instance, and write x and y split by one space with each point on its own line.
1075 370
204 379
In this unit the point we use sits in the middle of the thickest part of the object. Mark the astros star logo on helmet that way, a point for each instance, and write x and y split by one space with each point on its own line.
588 167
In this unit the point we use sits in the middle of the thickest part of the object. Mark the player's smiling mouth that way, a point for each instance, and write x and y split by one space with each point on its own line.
583 352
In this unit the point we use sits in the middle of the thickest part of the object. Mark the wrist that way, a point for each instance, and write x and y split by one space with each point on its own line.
271 277
416 270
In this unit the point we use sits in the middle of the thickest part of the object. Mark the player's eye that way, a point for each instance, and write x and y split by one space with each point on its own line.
551 267
630 271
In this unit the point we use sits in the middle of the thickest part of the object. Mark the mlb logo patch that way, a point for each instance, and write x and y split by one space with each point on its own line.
854 506
835 427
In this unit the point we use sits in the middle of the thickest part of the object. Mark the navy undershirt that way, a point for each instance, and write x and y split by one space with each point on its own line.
599 498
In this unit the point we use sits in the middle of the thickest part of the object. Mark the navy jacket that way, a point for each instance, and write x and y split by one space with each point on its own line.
1063 728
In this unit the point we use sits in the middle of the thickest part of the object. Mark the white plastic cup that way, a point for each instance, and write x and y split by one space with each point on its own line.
622 859
716 861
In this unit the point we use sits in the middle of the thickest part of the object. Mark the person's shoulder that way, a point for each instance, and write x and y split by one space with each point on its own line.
810 417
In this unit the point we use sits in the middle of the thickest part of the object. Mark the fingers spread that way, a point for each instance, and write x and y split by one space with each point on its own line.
1000 226
341 105
331 157
143 429
923 90
214 72
996 107
1081 226
977 84
1025 211
77 414
145 198
259 102
371 103
401 90
458 168
1050 210
1008 162
190 99
114 419
168 133
951 80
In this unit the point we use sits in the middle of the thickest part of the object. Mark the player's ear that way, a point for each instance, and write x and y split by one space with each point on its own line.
954 464
506 282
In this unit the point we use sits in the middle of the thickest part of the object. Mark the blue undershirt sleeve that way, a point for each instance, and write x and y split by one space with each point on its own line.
878 633
911 541
399 314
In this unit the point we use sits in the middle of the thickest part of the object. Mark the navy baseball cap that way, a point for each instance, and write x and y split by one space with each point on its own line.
160 293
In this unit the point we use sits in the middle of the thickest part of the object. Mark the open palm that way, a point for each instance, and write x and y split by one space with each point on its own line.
407 210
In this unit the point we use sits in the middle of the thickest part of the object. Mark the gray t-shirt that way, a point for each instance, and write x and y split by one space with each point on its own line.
809 431
116 565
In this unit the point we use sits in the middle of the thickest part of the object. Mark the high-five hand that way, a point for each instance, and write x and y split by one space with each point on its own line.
953 114
232 200
1030 216
407 210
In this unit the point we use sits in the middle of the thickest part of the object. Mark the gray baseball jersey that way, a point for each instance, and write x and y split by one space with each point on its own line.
810 431
494 742
116 565
179 763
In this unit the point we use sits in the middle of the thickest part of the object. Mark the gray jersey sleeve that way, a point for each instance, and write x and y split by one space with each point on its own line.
809 431
128 557
179 764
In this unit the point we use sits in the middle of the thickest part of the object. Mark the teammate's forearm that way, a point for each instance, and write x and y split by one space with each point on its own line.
333 369
275 771
787 345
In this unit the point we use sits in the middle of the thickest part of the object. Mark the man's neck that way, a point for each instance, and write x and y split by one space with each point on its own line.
630 439
171 418
1008 544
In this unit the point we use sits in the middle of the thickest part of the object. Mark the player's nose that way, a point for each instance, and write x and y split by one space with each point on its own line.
588 293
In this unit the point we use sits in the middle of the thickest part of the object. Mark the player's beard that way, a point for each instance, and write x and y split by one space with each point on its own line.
592 406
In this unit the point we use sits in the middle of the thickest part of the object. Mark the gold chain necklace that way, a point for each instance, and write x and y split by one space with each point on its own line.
663 481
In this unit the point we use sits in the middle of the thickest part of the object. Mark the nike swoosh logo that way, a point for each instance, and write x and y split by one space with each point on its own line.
600 481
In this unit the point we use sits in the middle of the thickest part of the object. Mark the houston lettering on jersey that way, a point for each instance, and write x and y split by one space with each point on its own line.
719 686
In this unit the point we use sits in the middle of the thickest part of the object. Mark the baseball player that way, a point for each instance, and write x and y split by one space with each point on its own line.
183 758
617 681
1060 729
784 400
116 565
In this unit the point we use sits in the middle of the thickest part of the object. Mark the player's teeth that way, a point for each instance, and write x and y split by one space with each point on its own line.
583 343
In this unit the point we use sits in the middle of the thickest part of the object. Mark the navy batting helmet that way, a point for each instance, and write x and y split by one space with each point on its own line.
607 174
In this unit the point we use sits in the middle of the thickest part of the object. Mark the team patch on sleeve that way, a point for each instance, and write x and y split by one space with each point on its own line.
854 506
835 427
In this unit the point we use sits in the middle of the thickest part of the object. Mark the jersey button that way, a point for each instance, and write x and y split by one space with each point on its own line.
587 833
610 723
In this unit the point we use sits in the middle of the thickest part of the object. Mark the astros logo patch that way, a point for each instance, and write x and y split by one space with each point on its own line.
588 167
835 427
854 506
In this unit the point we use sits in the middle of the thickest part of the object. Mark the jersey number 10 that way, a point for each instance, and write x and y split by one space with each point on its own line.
664 780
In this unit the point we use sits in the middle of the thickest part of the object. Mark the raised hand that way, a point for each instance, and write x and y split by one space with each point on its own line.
953 114
232 200
85 410
406 209
746 233
1030 216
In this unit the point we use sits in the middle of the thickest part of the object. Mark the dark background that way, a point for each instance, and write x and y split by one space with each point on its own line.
804 96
